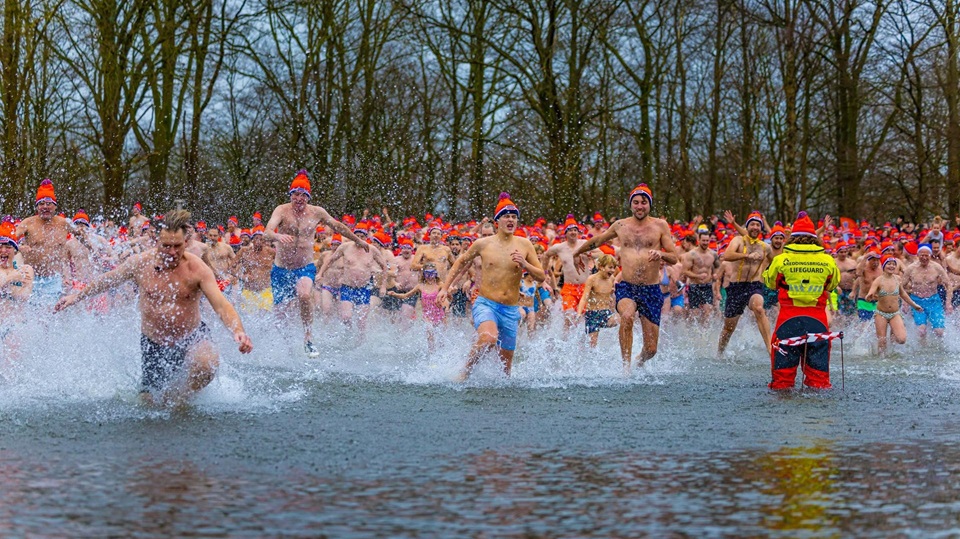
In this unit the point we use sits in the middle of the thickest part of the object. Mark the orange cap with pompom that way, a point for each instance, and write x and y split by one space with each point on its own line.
571 222
641 190
300 184
45 192
8 233
81 218
505 206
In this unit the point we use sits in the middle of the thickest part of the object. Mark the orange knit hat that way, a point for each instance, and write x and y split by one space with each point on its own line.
45 192
641 190
300 184
81 218
8 233
571 222
505 206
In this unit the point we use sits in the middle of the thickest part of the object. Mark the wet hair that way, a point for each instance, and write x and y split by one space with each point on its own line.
804 240
606 260
175 220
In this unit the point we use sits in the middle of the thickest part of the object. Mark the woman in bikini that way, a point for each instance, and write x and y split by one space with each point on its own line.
887 292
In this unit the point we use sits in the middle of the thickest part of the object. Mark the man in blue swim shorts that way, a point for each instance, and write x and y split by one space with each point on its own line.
292 228
504 258
921 279
644 242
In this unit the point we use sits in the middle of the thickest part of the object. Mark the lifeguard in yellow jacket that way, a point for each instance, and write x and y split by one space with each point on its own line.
804 275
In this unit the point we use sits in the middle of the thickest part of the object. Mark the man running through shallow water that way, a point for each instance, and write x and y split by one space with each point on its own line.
43 245
178 355
496 314
573 278
293 268
645 241
751 256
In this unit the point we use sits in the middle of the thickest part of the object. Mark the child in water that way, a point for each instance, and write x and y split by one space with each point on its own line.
433 312
597 301
887 292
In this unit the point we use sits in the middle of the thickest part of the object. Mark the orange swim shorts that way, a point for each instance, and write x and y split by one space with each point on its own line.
571 294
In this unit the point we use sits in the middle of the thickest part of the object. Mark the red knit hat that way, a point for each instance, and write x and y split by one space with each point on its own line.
81 218
778 229
45 192
597 218
803 226
245 232
300 184
137 206
233 219
887 258
336 239
570 223
8 233
257 216
201 226
505 206
641 190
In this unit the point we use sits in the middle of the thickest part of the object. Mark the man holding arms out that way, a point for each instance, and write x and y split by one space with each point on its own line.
644 242
293 268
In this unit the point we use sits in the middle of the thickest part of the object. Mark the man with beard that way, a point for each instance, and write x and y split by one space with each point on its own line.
496 314
178 355
645 241
751 256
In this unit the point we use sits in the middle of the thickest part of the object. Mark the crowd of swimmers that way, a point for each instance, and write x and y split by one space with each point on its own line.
504 277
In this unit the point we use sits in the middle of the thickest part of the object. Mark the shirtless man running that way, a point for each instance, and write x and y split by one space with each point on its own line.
43 245
496 314
751 256
293 269
434 253
921 280
356 278
701 267
178 355
573 278
644 242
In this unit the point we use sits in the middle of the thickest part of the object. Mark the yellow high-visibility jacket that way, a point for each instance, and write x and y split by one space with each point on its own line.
803 276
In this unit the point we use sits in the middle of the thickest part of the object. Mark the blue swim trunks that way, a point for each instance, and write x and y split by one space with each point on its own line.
284 281
648 298
355 295
932 312
597 320
507 318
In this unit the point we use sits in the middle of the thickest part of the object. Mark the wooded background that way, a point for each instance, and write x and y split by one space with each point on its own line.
842 106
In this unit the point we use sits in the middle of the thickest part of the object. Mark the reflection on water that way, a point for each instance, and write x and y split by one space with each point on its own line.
813 491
